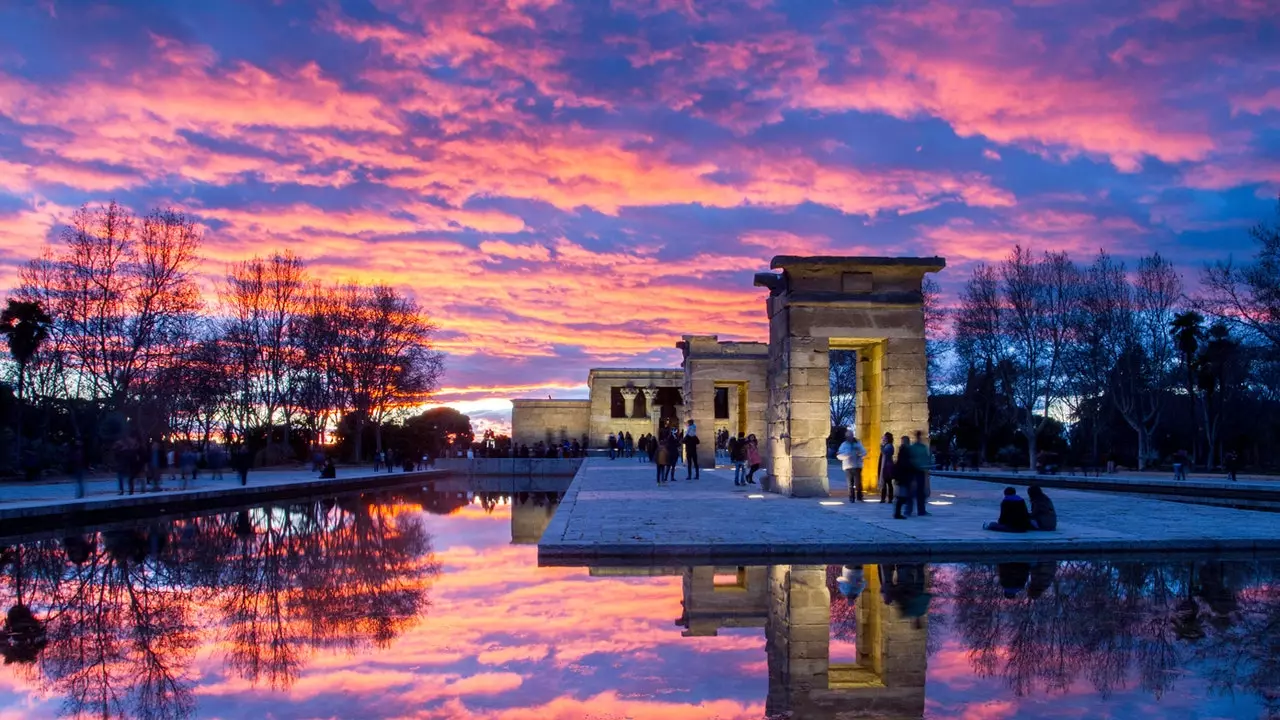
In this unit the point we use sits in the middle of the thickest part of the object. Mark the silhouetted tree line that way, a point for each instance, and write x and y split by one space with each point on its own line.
1047 625
110 338
110 621
1137 367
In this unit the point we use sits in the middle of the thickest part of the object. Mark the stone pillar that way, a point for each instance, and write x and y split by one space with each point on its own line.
906 396
629 400
655 410
855 302
797 637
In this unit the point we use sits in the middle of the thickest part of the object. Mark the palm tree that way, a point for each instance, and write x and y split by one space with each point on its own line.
27 327
1187 330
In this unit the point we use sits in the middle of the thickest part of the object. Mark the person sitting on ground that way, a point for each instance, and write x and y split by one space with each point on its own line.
1043 514
328 472
1013 514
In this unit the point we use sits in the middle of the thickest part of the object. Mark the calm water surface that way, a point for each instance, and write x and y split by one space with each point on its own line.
429 604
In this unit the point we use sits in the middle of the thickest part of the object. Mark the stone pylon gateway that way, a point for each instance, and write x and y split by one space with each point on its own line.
871 305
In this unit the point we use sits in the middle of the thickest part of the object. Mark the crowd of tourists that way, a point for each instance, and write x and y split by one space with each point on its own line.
562 449
142 466
904 478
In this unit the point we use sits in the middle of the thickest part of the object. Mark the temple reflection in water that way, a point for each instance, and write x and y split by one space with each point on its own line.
795 604
133 620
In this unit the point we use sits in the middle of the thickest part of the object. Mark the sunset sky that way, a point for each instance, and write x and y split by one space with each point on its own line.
576 184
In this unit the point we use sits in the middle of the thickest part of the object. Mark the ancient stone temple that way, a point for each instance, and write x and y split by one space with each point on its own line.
779 391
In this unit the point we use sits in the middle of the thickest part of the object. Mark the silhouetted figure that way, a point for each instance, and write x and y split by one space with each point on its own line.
886 468
1043 515
1042 575
903 480
1013 577
1232 463
77 466
329 471
1013 514
673 455
738 456
692 470
241 460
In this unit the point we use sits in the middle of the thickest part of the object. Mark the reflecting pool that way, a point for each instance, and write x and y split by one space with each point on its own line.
427 603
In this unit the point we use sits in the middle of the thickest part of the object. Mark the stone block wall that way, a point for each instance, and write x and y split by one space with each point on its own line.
869 304
532 420
602 380
740 367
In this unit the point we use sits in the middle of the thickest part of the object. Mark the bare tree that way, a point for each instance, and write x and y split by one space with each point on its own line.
844 387
262 298
1040 295
123 296
1248 295
1098 334
392 364
1141 375
980 344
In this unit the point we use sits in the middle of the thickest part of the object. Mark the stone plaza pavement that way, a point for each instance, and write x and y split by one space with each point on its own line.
615 513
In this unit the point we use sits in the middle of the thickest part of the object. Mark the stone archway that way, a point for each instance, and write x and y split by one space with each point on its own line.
869 304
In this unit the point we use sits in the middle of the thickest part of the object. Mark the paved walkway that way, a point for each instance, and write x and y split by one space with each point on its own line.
615 514
38 507
1247 491
25 494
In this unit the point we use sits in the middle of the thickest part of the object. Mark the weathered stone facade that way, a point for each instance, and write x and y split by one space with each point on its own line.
548 421
779 391
646 381
740 369
870 305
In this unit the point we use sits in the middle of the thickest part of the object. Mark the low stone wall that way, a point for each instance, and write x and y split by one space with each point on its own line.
527 467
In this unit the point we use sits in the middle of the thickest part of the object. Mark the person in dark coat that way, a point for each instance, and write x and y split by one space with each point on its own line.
693 471
673 455
886 468
903 479
1043 514
1013 514
329 471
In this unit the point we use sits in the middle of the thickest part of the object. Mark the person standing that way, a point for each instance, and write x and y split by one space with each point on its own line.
903 475
921 463
77 466
673 455
659 452
738 456
851 454
753 458
217 458
693 471
613 445
1232 462
241 460
1180 465
886 468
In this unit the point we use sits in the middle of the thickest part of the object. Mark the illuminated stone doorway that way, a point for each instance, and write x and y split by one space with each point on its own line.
887 680
872 305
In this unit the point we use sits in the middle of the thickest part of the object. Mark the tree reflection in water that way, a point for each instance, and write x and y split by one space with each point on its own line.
1051 624
110 621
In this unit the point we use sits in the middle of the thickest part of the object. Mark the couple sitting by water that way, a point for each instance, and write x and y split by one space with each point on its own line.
1014 516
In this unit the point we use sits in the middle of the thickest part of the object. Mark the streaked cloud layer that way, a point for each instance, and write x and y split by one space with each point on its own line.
569 184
